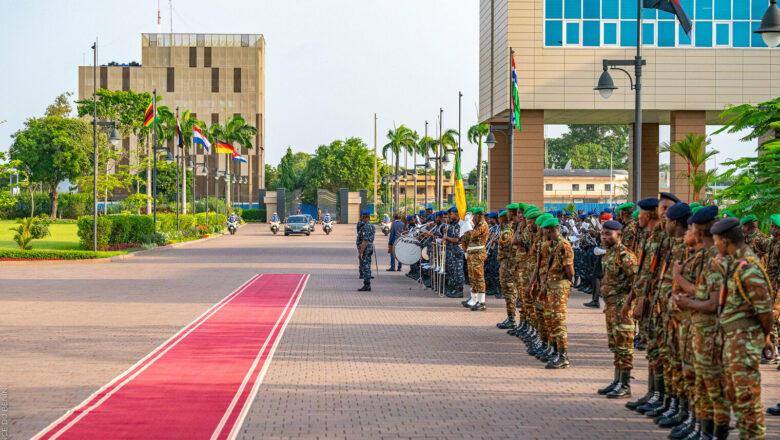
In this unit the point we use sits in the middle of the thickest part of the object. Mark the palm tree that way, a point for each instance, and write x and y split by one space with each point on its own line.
425 146
475 135
187 121
448 141
401 138
693 149
235 131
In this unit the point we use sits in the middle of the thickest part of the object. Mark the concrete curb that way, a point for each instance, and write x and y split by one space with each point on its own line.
115 259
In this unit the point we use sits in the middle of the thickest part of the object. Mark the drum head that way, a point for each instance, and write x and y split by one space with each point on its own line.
407 251
425 254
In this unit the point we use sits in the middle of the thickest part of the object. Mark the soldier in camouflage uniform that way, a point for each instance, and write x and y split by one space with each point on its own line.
630 235
757 241
518 255
524 259
505 274
365 239
619 268
475 256
454 257
746 317
773 269
701 300
559 260
540 346
492 282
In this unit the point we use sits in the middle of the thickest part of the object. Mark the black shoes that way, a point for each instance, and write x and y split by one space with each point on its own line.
390 270
478 307
774 410
623 388
642 400
652 403
611 386
465 303
366 287
677 417
669 410
592 304
721 432
560 360
683 430
508 323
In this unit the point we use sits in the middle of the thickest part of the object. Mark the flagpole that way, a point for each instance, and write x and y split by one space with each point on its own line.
94 147
154 156
511 128
375 166
178 189
638 107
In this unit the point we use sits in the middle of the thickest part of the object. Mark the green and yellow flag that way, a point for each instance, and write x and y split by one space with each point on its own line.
460 192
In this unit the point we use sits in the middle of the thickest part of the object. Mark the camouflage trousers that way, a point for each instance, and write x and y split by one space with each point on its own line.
476 264
524 299
365 263
742 381
708 393
649 329
557 299
685 351
541 313
508 288
669 357
620 333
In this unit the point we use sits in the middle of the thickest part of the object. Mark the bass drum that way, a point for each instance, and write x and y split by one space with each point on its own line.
407 251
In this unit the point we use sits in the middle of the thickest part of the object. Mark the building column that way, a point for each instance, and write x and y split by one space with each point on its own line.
683 123
649 160
528 169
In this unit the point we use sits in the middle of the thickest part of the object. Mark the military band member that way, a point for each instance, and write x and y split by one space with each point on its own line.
492 284
475 256
454 256
365 238
558 256
506 276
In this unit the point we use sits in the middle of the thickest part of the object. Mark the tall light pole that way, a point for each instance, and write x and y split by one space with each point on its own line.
94 146
375 168
438 166
426 165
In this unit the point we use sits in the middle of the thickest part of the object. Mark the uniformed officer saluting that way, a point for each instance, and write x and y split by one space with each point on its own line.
365 238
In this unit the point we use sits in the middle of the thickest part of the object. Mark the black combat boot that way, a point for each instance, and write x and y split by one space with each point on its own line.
508 323
671 410
540 348
642 400
560 361
687 427
707 429
553 353
366 286
678 417
623 389
546 354
611 386
521 328
696 433
659 398
721 432
478 307
660 409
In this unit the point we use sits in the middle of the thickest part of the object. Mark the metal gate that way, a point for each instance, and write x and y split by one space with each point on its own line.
327 202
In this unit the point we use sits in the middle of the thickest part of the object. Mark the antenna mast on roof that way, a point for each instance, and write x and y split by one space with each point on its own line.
158 17
170 9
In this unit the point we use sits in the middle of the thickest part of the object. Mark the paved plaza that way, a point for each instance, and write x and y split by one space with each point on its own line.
398 362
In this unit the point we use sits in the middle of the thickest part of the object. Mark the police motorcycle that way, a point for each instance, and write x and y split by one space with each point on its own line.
275 223
232 222
386 222
327 224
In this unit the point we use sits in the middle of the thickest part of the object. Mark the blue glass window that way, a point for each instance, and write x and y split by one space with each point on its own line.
755 39
759 8
571 9
741 10
703 33
663 15
722 9
610 9
553 9
591 33
572 33
722 32
628 33
610 33
688 7
591 9
628 9
648 33
703 9
666 33
553 33
649 13
682 37
741 34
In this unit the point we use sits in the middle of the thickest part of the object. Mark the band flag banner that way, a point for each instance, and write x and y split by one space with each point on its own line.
515 102
460 192
674 7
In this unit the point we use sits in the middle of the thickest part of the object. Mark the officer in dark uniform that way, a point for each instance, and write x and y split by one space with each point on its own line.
365 238
492 284
454 257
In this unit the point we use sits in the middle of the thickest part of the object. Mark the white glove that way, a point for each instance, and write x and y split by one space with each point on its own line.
599 251
438 240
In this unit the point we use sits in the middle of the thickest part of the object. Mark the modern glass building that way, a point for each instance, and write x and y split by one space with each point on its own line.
559 46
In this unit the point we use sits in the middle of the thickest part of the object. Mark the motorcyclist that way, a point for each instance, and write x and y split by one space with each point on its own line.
275 217
232 218
326 219
386 218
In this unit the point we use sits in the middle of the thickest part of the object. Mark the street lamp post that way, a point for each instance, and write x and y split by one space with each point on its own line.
438 167
490 141
770 25
426 166
206 172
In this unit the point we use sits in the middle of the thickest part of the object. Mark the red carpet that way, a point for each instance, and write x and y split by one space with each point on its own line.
200 383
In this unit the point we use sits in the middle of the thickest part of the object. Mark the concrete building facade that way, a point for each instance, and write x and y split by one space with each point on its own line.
585 186
558 48
215 76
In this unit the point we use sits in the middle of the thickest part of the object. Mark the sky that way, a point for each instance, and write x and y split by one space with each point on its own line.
330 65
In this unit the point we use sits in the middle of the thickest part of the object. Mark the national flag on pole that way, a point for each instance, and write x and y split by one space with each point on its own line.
515 101
460 192
674 7
149 117
198 138
238 158
180 144
224 148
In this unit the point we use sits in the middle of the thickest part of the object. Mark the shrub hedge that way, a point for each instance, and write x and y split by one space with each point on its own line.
115 230
254 215
50 254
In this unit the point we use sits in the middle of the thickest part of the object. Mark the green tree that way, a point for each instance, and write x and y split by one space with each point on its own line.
271 178
400 139
291 170
589 156
54 148
476 134
614 138
166 180
235 132
692 149
342 164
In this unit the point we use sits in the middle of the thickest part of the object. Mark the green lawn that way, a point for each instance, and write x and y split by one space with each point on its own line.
63 236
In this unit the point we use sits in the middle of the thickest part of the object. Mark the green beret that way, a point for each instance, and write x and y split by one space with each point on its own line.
727 214
748 218
695 208
628 205
531 210
694 204
635 214
502 214
530 207
478 210
512 206
533 214
775 219
549 223
542 218
522 206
